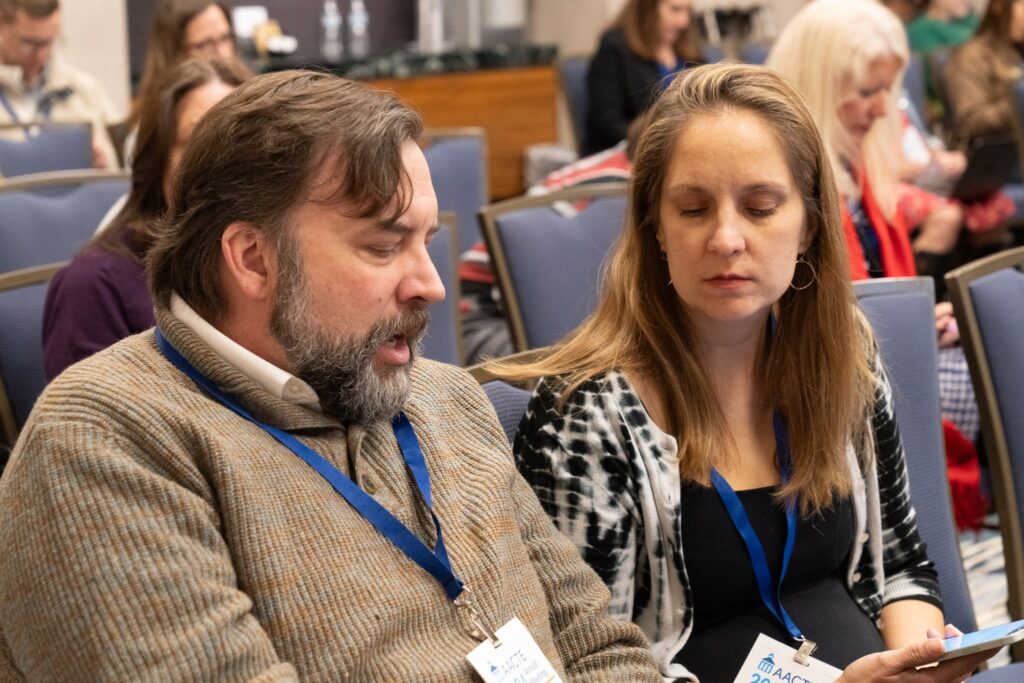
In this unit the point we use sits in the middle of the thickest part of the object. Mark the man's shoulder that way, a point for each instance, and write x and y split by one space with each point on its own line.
129 373
437 384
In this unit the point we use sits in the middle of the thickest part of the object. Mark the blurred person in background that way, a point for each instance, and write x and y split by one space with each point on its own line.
37 85
101 296
848 58
182 29
980 72
648 42
700 379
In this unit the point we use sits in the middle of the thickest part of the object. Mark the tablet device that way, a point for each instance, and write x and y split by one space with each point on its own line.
991 162
985 639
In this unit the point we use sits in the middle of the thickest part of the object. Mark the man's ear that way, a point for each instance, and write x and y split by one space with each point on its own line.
249 260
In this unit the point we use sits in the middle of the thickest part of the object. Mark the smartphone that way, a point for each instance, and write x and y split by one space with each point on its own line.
985 639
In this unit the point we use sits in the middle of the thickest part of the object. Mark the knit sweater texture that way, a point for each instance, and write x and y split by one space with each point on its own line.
150 534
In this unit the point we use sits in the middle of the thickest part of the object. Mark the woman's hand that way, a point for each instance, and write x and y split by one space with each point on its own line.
900 666
945 325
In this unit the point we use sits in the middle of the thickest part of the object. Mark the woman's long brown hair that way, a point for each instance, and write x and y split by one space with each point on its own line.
816 371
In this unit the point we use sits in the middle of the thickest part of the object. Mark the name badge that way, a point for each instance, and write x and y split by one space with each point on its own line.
770 661
516 658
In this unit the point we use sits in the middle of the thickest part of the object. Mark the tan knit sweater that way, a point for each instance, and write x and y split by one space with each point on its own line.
148 534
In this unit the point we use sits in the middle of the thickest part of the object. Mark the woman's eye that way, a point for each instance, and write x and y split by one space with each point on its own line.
762 211
691 211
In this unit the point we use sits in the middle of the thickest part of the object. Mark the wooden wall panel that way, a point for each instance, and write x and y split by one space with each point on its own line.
515 106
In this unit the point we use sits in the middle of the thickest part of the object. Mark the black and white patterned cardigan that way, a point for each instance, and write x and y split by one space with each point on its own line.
609 479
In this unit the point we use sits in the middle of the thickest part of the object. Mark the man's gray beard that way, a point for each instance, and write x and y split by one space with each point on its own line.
340 367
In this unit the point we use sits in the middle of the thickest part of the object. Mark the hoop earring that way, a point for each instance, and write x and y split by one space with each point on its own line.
813 276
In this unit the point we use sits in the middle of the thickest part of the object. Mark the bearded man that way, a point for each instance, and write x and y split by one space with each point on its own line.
271 485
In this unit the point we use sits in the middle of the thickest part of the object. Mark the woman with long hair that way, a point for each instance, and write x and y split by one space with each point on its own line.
649 41
101 296
980 72
727 359
847 58
182 29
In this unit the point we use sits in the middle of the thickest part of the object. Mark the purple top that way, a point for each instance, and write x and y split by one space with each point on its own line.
97 299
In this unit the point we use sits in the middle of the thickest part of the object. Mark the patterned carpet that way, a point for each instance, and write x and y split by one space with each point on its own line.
986 578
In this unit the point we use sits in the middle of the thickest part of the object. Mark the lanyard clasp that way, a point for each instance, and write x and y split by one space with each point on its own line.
468 608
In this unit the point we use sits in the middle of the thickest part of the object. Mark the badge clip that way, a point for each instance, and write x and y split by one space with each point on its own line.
465 603
807 648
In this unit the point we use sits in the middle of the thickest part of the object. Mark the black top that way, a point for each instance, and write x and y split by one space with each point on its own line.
727 608
621 85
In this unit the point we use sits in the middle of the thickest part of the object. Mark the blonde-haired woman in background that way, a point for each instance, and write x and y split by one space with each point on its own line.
726 359
847 58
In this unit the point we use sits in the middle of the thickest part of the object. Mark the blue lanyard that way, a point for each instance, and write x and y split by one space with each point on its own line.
435 562
769 590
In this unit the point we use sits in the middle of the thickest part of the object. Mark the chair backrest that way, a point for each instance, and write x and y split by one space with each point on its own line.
443 341
548 266
572 72
457 158
22 379
902 314
754 52
914 84
712 53
48 217
509 403
46 147
987 297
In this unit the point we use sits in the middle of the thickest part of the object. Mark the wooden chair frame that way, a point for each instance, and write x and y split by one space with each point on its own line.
489 226
36 181
8 281
958 282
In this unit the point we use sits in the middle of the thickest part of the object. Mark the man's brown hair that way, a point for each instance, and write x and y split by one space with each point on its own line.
254 157
37 9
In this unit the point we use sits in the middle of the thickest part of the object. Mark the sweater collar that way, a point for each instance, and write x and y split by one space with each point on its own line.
265 404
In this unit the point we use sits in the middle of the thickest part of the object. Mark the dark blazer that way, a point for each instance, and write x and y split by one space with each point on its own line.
621 85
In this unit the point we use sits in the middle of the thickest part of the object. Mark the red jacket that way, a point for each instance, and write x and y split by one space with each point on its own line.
893 241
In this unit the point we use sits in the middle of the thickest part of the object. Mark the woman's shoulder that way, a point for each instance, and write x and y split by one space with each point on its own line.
613 39
602 391
95 266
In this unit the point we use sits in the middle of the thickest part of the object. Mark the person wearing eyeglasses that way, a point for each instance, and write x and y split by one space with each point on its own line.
37 86
182 29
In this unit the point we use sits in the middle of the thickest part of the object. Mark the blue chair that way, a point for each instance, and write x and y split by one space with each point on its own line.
987 298
22 379
902 313
46 147
509 403
572 72
754 53
444 334
712 54
914 85
47 217
457 158
548 265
